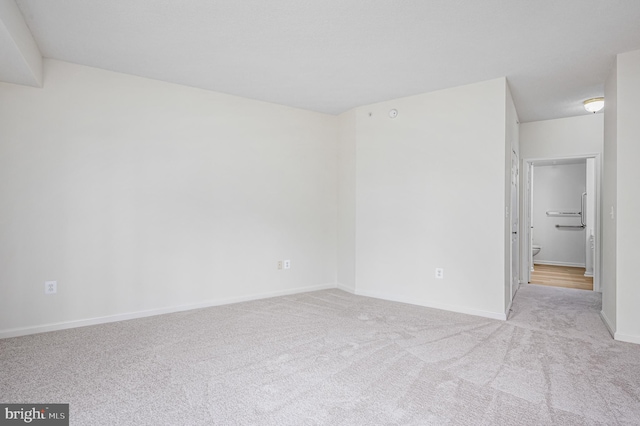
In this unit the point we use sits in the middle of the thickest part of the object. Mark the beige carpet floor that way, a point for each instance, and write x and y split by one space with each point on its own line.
332 358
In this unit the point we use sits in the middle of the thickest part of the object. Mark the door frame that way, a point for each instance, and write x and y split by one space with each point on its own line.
526 259
514 276
525 225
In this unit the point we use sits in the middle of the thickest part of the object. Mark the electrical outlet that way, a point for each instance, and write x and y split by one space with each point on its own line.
439 273
279 264
50 287
287 264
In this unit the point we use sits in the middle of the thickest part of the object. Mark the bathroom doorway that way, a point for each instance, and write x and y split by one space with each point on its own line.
561 225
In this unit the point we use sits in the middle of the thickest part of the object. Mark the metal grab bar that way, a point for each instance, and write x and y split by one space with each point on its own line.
571 226
573 214
582 207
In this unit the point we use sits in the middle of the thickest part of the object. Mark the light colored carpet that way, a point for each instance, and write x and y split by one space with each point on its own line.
332 358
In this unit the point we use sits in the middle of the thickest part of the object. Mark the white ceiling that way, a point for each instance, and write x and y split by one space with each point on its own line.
333 55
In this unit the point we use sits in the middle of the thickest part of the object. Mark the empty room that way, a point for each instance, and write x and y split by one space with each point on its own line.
319 212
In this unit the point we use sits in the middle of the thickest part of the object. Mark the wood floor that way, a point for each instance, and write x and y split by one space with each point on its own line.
561 276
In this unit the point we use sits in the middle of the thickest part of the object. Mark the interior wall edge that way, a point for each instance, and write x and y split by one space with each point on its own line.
610 328
346 288
628 338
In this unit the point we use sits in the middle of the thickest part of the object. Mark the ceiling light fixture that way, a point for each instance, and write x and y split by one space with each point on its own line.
594 104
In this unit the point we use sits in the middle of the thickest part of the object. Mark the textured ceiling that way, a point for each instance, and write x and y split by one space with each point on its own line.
333 55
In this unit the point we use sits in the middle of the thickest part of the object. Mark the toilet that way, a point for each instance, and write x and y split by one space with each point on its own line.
535 249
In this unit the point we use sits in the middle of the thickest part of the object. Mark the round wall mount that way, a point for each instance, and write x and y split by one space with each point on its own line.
393 113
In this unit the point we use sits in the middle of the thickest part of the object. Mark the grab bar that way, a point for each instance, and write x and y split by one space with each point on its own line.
573 214
582 206
571 226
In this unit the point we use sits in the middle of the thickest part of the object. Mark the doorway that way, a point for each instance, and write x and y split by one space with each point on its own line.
564 220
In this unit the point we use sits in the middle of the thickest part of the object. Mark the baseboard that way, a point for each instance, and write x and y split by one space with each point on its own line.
629 338
441 306
24 331
588 275
343 287
607 324
553 263
506 313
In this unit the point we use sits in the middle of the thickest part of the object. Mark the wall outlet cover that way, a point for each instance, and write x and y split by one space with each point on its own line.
50 287
287 264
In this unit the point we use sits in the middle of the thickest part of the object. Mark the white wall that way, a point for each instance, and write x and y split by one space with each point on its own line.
628 197
347 201
141 195
558 188
430 194
609 201
512 134
562 137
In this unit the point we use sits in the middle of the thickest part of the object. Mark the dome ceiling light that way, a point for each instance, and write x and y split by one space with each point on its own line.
594 104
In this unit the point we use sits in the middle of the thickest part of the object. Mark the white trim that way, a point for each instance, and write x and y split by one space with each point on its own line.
607 324
588 275
24 331
514 274
597 267
629 338
506 313
551 262
526 262
343 287
411 301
